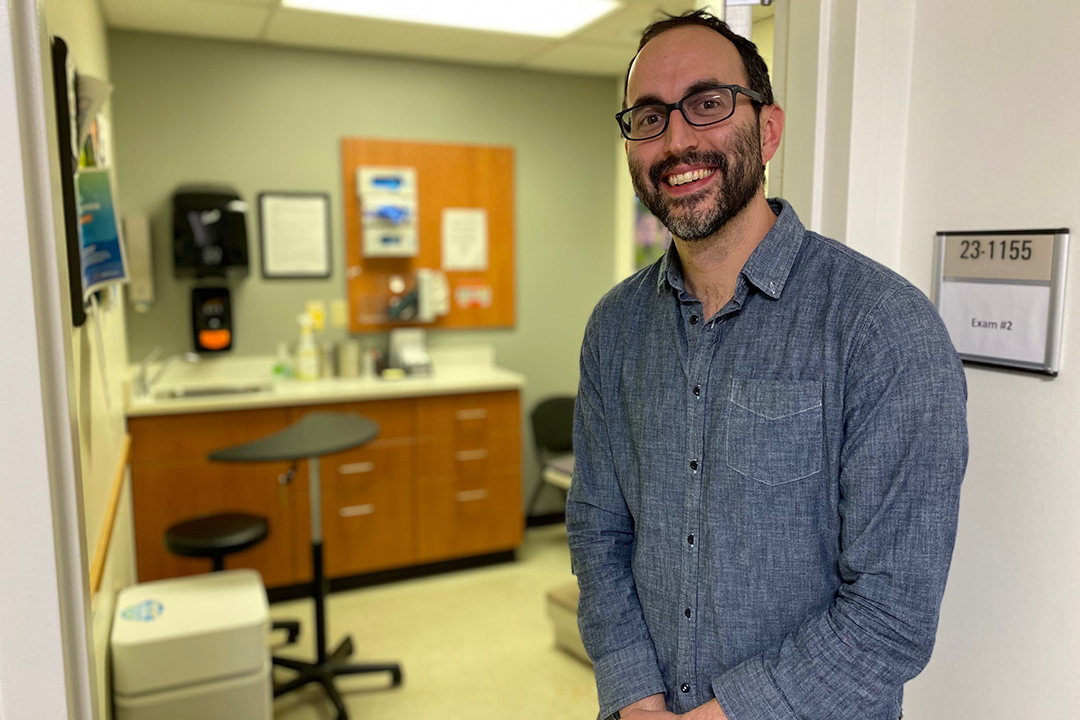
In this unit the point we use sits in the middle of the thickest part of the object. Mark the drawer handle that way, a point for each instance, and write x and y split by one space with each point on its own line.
356 510
475 414
471 495
356 468
467 455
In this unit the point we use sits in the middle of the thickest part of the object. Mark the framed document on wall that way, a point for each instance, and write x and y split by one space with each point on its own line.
1001 295
295 232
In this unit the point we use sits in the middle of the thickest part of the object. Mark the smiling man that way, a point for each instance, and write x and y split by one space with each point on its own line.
770 431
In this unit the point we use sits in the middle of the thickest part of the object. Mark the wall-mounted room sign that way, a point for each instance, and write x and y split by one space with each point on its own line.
1001 295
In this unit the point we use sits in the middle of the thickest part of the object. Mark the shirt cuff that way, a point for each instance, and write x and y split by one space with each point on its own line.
626 676
746 692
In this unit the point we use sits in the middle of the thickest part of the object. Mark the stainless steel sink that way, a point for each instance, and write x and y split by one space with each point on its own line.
194 391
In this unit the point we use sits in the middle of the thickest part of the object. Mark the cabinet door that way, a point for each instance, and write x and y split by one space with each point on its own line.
167 493
172 481
463 517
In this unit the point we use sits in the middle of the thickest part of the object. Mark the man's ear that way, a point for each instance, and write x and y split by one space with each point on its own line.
771 127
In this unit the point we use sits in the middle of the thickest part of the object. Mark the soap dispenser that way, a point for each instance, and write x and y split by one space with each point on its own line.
307 354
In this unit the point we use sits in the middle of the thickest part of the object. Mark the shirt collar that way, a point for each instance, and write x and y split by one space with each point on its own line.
769 265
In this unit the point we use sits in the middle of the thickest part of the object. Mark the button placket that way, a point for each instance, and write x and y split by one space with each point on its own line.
701 357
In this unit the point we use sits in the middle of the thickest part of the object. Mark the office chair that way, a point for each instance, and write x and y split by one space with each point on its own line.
553 434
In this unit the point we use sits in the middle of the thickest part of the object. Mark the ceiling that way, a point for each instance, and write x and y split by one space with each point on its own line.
602 48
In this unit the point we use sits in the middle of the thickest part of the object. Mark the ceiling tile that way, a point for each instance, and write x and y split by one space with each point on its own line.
626 25
295 27
580 57
206 18
321 30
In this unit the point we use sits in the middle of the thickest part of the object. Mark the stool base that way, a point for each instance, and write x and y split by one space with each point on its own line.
325 672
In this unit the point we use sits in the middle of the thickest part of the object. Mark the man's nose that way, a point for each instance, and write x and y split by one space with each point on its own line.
680 135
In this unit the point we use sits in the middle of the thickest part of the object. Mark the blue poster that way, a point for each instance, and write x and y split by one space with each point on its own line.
99 233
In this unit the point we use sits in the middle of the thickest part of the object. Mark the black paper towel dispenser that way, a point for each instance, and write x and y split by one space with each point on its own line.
209 232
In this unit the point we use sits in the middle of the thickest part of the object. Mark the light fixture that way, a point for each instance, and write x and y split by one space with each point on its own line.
550 18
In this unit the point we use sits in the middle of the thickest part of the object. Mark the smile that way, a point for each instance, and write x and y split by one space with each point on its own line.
688 177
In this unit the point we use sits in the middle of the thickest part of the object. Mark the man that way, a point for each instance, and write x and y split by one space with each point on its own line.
770 431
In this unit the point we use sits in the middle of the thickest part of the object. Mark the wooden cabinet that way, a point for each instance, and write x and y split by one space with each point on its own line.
469 476
367 495
173 481
442 481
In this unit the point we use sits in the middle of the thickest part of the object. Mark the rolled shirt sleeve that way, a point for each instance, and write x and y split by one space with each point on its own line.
600 529
902 460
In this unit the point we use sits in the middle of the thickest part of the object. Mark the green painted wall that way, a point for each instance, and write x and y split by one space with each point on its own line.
267 118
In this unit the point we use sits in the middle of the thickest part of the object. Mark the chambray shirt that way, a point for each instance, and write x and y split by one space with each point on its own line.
764 502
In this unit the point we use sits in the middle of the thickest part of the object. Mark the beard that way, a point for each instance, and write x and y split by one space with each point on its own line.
701 215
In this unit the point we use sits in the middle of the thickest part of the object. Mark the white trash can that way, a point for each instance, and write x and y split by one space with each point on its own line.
193 648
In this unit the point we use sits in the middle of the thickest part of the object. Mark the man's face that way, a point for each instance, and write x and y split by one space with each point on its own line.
728 155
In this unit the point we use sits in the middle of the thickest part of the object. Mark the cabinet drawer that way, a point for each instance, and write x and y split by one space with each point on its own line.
389 460
367 525
445 457
469 415
459 518
395 417
193 437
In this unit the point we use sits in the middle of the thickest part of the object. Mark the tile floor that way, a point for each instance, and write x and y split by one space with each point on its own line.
474 644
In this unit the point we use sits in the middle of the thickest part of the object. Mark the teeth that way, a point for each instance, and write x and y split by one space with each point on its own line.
683 178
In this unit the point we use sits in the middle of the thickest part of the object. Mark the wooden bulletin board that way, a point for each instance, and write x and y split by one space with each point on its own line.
448 176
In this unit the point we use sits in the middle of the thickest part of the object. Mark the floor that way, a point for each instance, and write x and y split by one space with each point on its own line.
474 644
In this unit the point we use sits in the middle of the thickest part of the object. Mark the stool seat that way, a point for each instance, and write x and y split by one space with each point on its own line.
214 536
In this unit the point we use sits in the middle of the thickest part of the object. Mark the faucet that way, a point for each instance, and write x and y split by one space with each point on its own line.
143 383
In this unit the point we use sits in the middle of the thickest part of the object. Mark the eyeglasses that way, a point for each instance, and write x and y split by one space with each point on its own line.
700 108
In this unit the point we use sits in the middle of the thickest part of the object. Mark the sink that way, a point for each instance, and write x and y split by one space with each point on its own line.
193 391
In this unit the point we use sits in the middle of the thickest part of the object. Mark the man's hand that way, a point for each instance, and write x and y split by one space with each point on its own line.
709 711
647 708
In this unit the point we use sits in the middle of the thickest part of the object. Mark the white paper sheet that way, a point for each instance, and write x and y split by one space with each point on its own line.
294 231
464 239
997 320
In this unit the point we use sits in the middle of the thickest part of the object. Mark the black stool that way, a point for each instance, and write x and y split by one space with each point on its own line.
314 435
215 536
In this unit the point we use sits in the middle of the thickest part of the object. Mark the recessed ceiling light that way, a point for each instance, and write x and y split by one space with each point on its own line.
547 18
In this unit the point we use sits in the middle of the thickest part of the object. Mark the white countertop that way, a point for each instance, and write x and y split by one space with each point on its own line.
458 372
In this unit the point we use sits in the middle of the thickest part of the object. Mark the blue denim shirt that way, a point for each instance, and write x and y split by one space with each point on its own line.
764 502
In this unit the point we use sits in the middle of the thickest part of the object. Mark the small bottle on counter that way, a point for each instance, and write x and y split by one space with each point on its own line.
349 358
283 364
307 355
328 360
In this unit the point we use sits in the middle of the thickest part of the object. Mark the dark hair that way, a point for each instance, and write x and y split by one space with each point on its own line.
757 72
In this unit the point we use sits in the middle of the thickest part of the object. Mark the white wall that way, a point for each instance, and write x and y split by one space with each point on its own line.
101 425
990 140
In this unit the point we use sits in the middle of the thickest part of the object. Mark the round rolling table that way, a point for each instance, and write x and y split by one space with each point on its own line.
314 435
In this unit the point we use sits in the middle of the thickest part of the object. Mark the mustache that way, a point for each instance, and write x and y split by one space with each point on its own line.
661 168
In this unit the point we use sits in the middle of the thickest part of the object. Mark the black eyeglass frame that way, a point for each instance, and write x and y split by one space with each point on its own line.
736 90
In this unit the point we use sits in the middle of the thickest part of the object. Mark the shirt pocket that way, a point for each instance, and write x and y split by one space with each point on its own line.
773 429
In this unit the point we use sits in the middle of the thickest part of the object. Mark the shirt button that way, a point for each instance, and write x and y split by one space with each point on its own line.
693 465
687 612
690 539
685 687
693 319
697 391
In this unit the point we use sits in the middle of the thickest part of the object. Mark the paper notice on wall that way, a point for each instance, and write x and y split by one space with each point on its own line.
464 239
473 294
103 260
997 320
295 234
